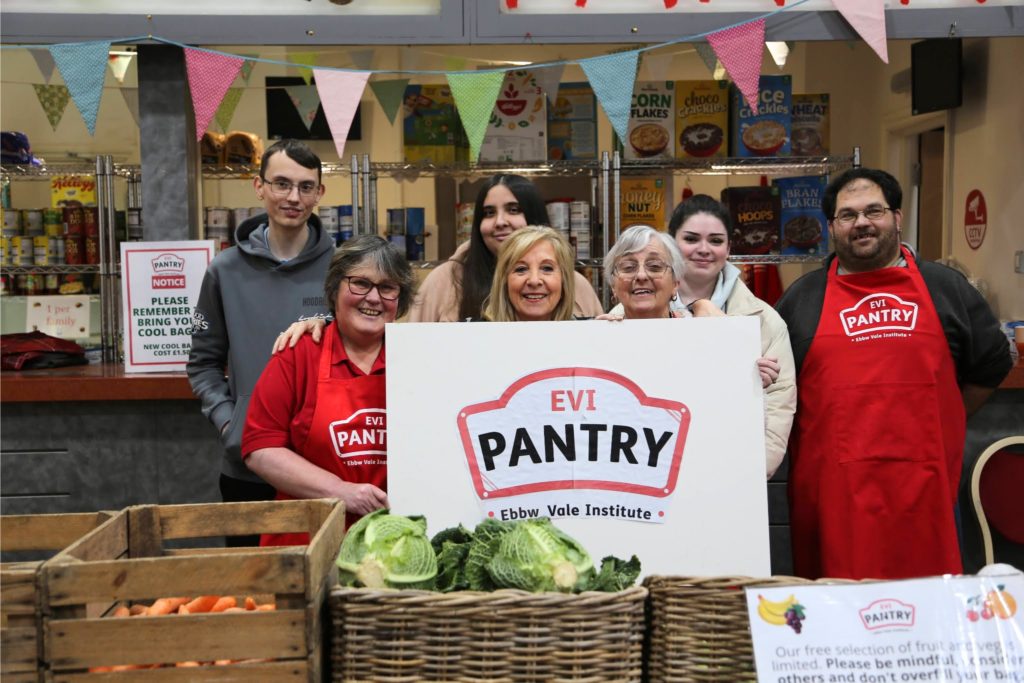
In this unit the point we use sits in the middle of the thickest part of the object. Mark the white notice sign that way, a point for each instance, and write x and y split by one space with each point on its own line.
640 437
159 288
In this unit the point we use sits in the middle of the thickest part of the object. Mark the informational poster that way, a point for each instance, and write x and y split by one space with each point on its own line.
640 437
66 317
159 289
945 629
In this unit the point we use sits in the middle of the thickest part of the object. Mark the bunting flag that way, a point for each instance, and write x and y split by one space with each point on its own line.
247 66
707 55
362 59
475 95
44 60
54 100
306 58
209 76
867 17
119 64
612 78
340 92
226 110
658 65
306 102
131 100
740 49
389 94
548 79
83 66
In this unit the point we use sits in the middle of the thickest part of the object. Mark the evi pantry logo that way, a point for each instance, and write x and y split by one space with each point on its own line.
887 614
574 442
886 314
168 272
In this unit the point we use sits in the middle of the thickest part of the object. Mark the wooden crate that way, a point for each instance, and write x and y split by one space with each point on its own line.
20 625
127 562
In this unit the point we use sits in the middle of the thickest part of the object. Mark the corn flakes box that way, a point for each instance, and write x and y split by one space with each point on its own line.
517 130
645 201
702 119
572 123
767 133
431 127
804 228
754 214
810 116
72 190
652 121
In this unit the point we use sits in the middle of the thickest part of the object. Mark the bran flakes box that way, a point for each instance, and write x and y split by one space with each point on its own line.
803 222
702 119
754 214
517 130
572 123
431 126
652 121
810 116
645 201
766 133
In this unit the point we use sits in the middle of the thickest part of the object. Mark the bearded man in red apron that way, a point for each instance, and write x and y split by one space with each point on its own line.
891 355
317 420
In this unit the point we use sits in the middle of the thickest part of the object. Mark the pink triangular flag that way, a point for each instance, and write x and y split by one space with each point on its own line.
209 76
340 92
867 17
740 49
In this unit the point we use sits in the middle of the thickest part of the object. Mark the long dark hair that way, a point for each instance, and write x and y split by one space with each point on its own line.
478 268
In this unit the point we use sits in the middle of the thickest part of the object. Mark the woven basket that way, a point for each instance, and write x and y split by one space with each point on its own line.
507 635
698 629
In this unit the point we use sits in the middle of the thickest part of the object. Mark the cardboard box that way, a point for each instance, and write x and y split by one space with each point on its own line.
767 133
72 190
810 115
754 213
572 123
645 201
432 129
517 130
804 227
702 119
652 122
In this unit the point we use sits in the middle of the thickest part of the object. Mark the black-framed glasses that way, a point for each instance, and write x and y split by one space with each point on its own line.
360 286
283 188
629 268
847 217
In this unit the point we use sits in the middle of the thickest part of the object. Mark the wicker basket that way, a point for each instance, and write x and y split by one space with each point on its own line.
506 635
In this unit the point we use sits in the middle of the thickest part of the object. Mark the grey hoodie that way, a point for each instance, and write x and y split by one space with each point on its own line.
248 297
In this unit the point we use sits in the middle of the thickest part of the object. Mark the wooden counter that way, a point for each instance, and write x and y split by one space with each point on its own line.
93 382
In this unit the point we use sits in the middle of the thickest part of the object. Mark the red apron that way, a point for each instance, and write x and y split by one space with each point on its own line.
348 432
879 435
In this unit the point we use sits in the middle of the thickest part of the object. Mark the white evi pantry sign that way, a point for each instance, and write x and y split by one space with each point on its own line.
160 284
637 437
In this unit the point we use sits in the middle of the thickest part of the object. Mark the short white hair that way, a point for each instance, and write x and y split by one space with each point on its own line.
635 239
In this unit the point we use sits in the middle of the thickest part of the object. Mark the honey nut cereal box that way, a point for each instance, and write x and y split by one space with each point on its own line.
810 117
645 201
652 121
517 130
702 119
767 133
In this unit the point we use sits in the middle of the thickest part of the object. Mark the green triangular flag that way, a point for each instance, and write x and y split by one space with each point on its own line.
54 100
307 58
226 110
247 65
389 94
306 100
475 94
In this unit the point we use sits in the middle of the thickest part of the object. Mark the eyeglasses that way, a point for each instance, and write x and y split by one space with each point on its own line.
848 217
360 286
630 268
283 188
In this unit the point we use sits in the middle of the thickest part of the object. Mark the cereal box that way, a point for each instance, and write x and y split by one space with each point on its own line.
517 130
572 123
72 190
702 119
431 126
767 133
754 213
645 201
652 121
810 125
804 228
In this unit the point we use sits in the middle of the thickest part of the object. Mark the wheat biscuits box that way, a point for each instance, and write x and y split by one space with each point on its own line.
517 130
645 201
652 122
572 123
754 214
804 229
702 119
810 122
431 126
767 133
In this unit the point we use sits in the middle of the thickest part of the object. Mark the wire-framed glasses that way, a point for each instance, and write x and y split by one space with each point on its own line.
847 217
629 268
283 188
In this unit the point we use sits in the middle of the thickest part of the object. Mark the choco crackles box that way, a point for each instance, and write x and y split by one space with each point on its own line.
766 133
803 222
702 119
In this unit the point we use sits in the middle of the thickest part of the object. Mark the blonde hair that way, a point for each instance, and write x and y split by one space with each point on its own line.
498 306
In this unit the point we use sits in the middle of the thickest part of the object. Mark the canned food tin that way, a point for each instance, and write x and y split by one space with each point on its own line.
344 235
12 222
133 218
53 229
74 250
90 221
73 219
396 222
21 251
52 216
41 250
5 286
217 217
328 216
51 283
32 222
31 284
240 215
582 246
92 249
558 215
5 251
58 249
398 241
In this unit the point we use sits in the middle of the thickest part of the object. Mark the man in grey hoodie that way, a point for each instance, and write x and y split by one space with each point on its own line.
271 278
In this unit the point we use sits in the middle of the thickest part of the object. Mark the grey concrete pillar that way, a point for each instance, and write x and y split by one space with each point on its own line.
170 154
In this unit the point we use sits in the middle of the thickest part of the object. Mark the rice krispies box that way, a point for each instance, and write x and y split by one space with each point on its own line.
702 119
431 126
652 121
754 214
517 130
804 228
572 123
767 133
810 117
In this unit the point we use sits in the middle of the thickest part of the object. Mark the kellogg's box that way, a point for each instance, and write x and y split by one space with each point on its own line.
431 126
767 133
72 190
517 130
572 123
645 201
702 119
810 116
652 121
754 214
804 227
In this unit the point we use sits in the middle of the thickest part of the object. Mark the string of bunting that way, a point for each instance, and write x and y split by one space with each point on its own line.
739 47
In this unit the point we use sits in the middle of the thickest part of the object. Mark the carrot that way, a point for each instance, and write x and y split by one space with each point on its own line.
268 607
122 611
223 662
180 664
204 603
236 609
224 603
100 669
136 610
250 603
165 606
183 610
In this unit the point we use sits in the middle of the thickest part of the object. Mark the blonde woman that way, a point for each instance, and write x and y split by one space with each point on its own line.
533 278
